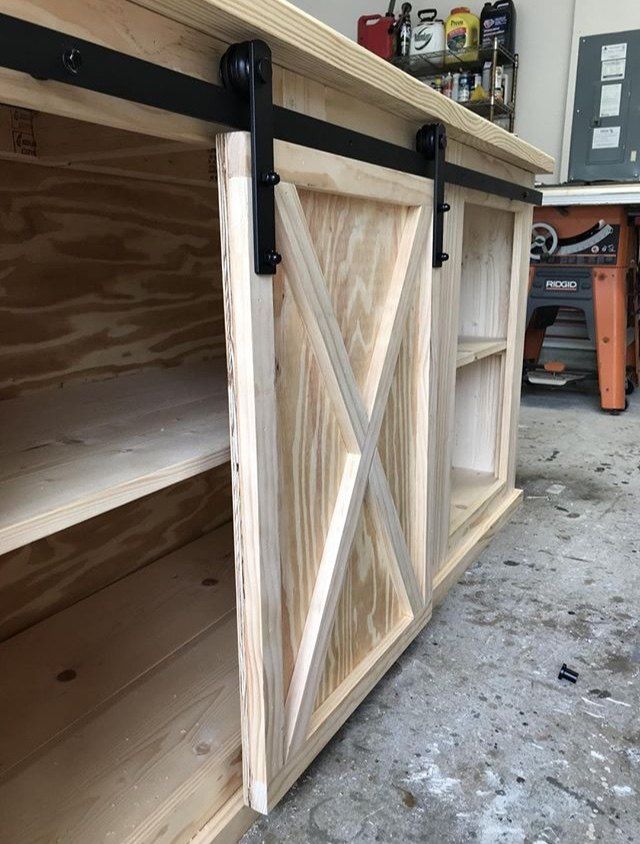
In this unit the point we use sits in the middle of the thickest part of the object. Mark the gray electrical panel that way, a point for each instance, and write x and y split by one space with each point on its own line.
605 139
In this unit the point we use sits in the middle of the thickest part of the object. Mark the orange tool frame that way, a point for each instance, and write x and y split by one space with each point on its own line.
610 274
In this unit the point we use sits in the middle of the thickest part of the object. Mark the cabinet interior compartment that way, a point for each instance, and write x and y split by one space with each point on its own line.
483 326
120 714
485 282
475 472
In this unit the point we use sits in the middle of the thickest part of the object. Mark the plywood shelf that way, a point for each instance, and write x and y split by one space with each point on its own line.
471 349
122 719
70 454
470 490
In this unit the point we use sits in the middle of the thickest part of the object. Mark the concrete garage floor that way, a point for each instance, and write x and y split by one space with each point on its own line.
470 737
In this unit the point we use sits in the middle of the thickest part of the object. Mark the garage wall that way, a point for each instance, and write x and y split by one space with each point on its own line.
592 17
544 50
547 40
342 14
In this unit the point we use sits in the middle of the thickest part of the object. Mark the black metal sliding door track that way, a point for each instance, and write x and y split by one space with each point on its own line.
244 101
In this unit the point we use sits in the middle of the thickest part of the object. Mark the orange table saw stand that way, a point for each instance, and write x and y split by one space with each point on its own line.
584 258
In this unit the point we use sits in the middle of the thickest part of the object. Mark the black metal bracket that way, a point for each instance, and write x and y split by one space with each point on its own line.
246 70
246 103
431 141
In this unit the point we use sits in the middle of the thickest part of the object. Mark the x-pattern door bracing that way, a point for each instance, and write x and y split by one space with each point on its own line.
329 393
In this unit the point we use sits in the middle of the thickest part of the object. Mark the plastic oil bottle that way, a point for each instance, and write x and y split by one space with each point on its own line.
462 33
498 20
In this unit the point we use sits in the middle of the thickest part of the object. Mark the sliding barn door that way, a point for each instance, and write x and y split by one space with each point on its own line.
329 389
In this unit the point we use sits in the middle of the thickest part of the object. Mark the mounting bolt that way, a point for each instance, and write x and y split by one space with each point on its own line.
443 256
271 178
264 70
72 60
443 207
567 674
274 258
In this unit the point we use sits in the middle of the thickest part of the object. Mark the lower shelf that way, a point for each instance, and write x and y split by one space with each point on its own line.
470 490
68 455
122 721
471 349
467 551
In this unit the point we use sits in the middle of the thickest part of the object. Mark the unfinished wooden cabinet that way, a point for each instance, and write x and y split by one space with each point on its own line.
229 500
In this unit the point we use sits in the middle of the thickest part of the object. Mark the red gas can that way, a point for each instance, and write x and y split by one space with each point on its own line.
377 33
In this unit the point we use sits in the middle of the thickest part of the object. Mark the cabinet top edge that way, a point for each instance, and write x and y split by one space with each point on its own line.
307 46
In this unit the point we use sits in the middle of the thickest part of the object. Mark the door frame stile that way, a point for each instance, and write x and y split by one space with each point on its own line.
518 293
444 342
254 462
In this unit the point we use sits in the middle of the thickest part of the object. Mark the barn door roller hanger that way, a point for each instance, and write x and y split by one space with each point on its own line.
244 101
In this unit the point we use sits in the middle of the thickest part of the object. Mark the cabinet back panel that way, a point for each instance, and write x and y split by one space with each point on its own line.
101 275
487 247
479 390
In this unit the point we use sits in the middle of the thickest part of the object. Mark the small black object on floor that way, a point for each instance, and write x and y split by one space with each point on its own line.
567 674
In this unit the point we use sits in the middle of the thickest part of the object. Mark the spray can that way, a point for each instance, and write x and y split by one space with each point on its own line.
486 77
455 88
464 88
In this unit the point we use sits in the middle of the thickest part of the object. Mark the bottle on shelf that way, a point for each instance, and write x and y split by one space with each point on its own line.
499 86
428 34
462 33
455 87
498 20
404 30
464 89
486 76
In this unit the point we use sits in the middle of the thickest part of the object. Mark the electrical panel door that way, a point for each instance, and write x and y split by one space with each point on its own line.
605 138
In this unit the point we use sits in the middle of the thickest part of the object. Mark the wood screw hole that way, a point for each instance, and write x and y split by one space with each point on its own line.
202 748
66 676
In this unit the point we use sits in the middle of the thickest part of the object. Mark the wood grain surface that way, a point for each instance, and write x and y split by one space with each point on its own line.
317 70
349 301
485 285
478 414
144 729
251 365
470 489
71 454
357 261
103 275
471 349
108 640
47 576
303 44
